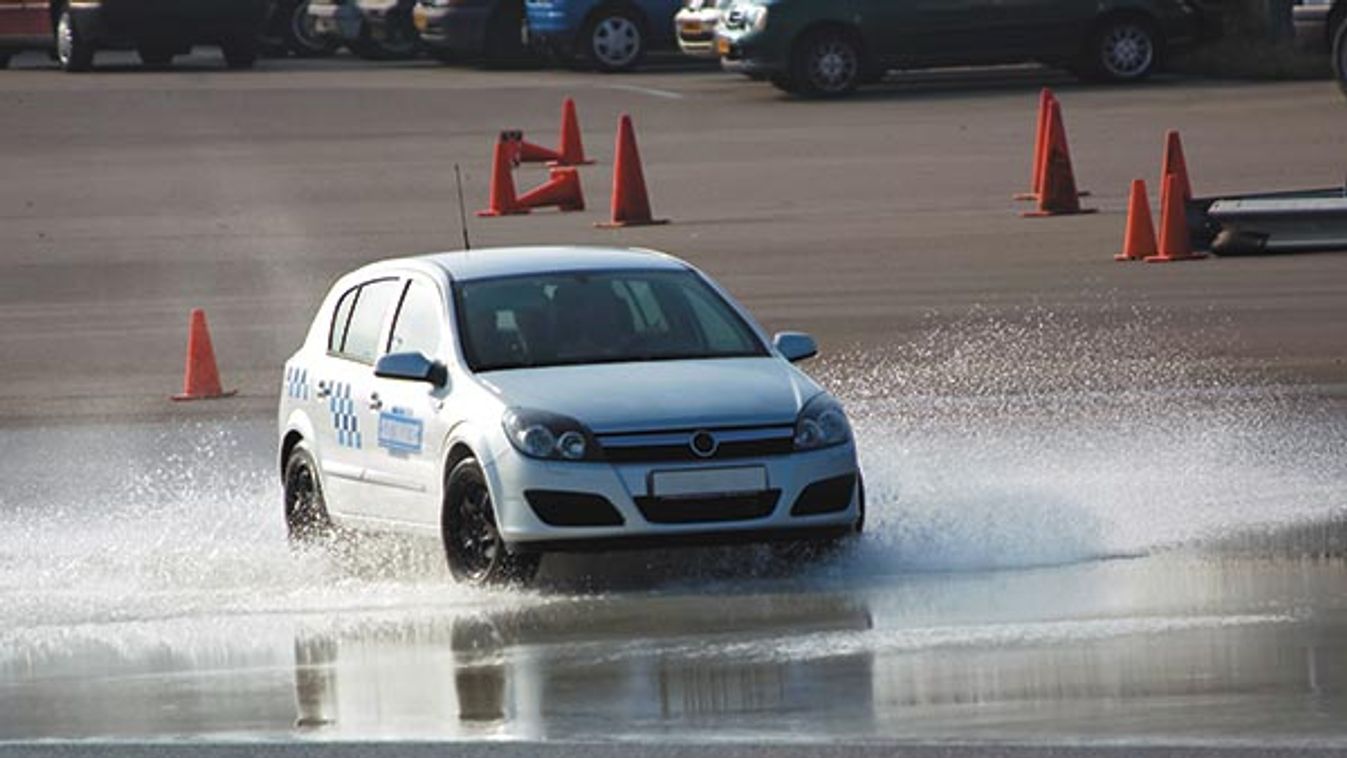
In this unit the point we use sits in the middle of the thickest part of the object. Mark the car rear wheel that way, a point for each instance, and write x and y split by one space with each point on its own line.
1124 49
240 52
475 551
614 40
1340 54
825 63
302 38
72 52
306 517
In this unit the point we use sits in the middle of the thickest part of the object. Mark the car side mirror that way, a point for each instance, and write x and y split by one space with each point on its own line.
413 367
795 346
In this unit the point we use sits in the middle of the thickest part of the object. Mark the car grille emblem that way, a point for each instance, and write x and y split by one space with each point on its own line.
703 444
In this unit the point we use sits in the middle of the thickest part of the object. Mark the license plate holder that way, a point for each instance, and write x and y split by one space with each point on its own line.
704 482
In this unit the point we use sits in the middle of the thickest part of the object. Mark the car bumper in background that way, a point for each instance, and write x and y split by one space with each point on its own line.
697 32
458 28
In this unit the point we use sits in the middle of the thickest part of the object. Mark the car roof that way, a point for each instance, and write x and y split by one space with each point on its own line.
490 263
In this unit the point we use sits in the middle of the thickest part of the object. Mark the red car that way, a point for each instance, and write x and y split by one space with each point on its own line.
76 29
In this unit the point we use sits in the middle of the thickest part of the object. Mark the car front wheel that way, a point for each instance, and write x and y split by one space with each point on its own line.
1123 50
614 41
302 38
72 52
475 551
826 63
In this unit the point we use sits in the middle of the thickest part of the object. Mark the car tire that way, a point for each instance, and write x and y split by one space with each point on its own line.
73 53
1340 54
824 63
299 35
1122 49
473 547
404 46
154 57
614 40
240 53
306 517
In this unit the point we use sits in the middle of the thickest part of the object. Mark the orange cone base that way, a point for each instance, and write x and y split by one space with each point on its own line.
1125 257
1032 197
493 214
1045 214
621 224
185 398
1174 258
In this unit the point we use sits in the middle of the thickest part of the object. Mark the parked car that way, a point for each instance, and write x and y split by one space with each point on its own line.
696 24
465 29
518 401
76 31
290 30
610 36
372 29
828 47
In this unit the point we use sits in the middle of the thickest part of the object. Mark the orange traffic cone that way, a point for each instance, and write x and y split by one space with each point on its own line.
572 148
631 203
201 380
1175 164
561 190
503 201
1045 98
1139 239
1175 244
1058 195
527 152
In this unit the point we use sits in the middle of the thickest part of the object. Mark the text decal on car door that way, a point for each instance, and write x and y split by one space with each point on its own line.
400 432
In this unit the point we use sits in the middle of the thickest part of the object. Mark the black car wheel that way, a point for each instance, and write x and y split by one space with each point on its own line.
614 40
825 63
1124 49
1340 54
72 52
306 517
240 51
301 37
473 546
155 56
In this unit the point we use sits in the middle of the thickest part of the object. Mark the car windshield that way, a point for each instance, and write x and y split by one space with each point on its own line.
597 317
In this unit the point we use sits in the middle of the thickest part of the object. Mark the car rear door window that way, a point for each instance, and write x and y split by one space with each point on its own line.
341 319
367 319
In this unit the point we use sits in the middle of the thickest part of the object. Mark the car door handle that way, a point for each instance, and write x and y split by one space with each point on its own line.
375 402
324 391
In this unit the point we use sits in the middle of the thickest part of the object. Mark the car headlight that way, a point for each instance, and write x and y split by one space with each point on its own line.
539 434
822 423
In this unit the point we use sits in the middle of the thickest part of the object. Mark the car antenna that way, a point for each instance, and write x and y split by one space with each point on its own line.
462 209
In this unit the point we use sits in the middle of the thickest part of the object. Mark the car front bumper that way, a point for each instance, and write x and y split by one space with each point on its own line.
697 31
646 520
458 28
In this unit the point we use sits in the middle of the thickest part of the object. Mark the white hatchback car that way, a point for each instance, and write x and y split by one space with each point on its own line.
517 401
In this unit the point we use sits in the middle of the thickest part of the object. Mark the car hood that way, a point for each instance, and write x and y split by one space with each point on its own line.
655 395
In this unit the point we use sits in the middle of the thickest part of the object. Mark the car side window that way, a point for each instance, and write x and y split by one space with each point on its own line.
418 327
341 319
367 318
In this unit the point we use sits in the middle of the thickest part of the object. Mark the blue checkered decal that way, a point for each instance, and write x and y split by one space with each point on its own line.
296 383
344 420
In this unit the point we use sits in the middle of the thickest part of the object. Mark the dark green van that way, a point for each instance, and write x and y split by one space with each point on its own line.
828 47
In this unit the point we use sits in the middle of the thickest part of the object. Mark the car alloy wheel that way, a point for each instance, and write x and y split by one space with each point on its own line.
305 36
1127 51
616 42
306 518
833 65
476 542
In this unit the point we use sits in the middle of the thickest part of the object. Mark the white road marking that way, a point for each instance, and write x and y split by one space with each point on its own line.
664 93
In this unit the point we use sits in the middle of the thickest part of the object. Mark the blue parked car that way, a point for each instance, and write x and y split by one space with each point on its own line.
611 35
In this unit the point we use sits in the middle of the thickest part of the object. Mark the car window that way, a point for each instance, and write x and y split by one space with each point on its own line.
597 317
367 318
419 321
341 318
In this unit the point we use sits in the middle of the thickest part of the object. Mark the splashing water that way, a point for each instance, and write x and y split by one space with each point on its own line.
989 443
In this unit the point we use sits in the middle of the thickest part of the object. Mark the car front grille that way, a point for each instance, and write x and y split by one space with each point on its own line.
677 446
